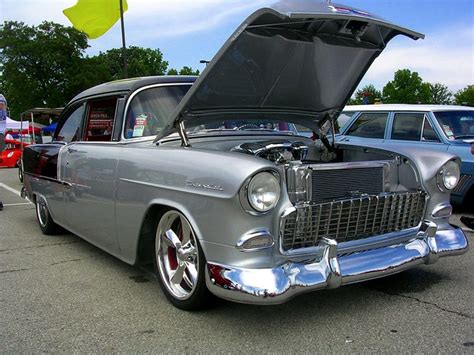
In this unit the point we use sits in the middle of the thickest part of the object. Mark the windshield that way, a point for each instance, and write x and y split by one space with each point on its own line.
456 124
150 108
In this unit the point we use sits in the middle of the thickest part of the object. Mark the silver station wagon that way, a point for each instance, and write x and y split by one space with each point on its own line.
438 127
205 178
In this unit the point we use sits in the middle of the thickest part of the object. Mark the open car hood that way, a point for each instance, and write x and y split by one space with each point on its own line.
297 61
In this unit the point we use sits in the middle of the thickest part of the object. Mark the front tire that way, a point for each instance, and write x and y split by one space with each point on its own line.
180 263
46 223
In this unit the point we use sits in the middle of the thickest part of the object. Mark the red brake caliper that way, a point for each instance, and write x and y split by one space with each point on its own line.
172 258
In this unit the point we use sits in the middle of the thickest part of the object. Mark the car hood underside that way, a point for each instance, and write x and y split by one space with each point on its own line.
298 60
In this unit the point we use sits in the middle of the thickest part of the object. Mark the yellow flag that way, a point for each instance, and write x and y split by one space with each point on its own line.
95 17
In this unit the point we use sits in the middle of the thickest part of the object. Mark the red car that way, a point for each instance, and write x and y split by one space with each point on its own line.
10 157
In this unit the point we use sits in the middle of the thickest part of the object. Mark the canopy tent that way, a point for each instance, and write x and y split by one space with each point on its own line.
44 115
31 129
51 128
15 125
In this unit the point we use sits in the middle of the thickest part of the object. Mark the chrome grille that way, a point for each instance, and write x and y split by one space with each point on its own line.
351 219
331 184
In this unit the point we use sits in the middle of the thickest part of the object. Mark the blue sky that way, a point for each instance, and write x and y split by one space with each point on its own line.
187 31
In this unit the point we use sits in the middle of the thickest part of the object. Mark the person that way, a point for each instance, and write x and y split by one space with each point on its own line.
3 127
3 121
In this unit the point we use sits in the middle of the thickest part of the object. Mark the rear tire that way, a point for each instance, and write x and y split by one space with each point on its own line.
46 223
20 172
180 263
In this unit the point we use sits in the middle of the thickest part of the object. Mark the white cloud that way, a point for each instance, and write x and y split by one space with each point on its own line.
171 19
446 57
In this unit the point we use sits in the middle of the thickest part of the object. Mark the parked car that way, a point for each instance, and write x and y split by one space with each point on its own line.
438 127
10 157
203 177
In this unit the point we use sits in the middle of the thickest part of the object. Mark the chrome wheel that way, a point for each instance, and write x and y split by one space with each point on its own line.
177 255
42 211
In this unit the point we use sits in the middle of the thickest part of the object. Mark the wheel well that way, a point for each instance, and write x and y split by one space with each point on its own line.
145 250
468 198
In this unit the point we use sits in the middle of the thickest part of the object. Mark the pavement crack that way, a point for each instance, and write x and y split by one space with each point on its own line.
41 246
441 308
14 270
65 261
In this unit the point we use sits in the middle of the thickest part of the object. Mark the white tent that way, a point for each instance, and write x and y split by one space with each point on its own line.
12 124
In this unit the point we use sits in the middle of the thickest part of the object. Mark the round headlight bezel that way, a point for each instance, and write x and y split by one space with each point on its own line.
251 184
447 172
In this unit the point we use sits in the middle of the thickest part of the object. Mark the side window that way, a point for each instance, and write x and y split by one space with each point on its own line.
150 109
407 126
369 125
100 119
428 132
70 130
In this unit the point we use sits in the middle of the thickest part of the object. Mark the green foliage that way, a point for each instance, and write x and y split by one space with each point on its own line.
184 71
188 71
440 94
141 62
367 95
465 96
37 64
406 88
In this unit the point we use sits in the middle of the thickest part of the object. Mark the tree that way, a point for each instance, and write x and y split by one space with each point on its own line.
440 94
406 88
37 63
367 95
465 96
184 71
141 62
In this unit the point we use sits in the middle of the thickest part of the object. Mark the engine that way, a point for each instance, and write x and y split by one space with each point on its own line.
277 151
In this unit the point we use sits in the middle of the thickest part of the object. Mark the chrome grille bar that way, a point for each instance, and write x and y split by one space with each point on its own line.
351 219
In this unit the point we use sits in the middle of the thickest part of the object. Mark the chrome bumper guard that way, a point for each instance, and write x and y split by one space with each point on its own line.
279 284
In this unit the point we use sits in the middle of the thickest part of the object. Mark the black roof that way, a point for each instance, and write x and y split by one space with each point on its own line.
129 85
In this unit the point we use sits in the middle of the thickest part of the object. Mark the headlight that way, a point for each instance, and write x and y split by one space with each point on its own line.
263 192
448 176
9 155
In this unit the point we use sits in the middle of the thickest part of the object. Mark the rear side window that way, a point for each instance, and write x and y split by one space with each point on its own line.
407 126
70 130
369 125
100 119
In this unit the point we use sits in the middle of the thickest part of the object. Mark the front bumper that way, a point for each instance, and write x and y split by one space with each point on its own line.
279 284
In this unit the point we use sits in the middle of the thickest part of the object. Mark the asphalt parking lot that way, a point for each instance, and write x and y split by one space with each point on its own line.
61 294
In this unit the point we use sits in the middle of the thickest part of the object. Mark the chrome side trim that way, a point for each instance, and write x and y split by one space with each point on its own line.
279 284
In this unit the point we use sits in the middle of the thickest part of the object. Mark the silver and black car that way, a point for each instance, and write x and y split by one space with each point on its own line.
206 179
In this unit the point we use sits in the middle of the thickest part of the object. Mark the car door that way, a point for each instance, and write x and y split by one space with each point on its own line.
416 130
367 127
90 166
44 162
